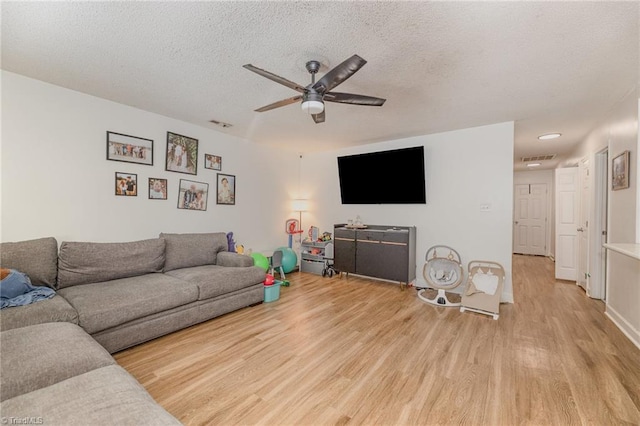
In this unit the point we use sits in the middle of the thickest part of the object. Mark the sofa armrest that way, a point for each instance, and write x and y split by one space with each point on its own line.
227 258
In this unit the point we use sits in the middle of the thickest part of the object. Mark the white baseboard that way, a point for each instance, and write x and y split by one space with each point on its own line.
623 325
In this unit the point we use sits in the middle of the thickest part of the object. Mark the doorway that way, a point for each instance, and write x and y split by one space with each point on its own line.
530 219
583 225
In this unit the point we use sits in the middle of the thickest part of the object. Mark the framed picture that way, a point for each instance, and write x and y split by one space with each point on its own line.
193 195
182 154
157 189
130 149
226 189
620 171
126 184
212 162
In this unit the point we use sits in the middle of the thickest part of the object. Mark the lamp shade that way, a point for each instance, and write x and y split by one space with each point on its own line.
300 205
312 103
312 107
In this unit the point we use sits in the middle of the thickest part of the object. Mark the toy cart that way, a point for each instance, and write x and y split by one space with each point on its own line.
328 268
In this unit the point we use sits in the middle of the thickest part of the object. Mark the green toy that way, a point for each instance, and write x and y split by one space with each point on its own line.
260 260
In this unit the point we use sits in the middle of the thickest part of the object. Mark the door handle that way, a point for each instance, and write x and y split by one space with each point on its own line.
581 229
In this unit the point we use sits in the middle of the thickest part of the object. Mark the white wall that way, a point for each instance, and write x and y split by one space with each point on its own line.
618 132
623 273
57 182
547 177
464 169
623 136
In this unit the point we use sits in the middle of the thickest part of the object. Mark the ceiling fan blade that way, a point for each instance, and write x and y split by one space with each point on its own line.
318 118
271 76
349 98
339 74
280 103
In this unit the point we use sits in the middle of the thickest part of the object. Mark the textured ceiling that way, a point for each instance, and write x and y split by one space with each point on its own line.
548 66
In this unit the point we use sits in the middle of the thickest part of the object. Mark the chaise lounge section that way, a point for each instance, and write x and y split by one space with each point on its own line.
55 373
110 296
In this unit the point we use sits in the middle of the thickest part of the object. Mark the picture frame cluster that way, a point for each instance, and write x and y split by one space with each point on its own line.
181 156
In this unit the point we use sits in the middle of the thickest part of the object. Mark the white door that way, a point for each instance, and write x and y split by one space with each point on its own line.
567 223
520 216
530 219
538 218
583 226
598 236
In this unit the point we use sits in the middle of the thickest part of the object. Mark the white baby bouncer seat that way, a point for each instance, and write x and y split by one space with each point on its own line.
443 272
484 288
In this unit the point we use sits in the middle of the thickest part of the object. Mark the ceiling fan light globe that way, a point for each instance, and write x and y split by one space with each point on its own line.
312 107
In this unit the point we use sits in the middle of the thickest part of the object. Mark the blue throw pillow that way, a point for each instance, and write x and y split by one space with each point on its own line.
14 283
16 289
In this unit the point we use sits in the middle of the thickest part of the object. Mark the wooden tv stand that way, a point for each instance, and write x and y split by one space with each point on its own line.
385 252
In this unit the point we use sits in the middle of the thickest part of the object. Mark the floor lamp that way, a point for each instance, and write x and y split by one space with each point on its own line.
300 205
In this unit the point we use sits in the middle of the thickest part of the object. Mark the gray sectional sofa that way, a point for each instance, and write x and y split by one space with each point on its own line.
110 296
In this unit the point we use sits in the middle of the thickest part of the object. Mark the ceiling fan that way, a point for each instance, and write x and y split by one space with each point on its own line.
314 94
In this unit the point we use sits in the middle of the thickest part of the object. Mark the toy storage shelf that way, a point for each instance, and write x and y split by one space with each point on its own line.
312 257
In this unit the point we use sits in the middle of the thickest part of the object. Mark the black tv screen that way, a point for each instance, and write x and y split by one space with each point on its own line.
385 177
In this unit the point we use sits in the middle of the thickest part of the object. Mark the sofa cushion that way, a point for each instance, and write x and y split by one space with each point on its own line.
40 355
214 280
226 258
186 250
55 309
36 258
84 263
107 395
141 330
108 304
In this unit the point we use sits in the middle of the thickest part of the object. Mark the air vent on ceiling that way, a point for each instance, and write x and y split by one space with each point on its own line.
538 158
220 123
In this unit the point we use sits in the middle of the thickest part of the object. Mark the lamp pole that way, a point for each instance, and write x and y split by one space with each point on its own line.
300 206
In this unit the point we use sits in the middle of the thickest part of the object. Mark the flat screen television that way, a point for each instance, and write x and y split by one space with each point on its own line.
385 177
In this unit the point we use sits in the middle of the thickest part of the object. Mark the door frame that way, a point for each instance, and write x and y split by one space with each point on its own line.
584 216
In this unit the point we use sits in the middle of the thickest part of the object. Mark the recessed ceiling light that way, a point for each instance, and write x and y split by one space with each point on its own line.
534 164
549 136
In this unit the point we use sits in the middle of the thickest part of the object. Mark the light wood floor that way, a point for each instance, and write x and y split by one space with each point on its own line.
357 351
